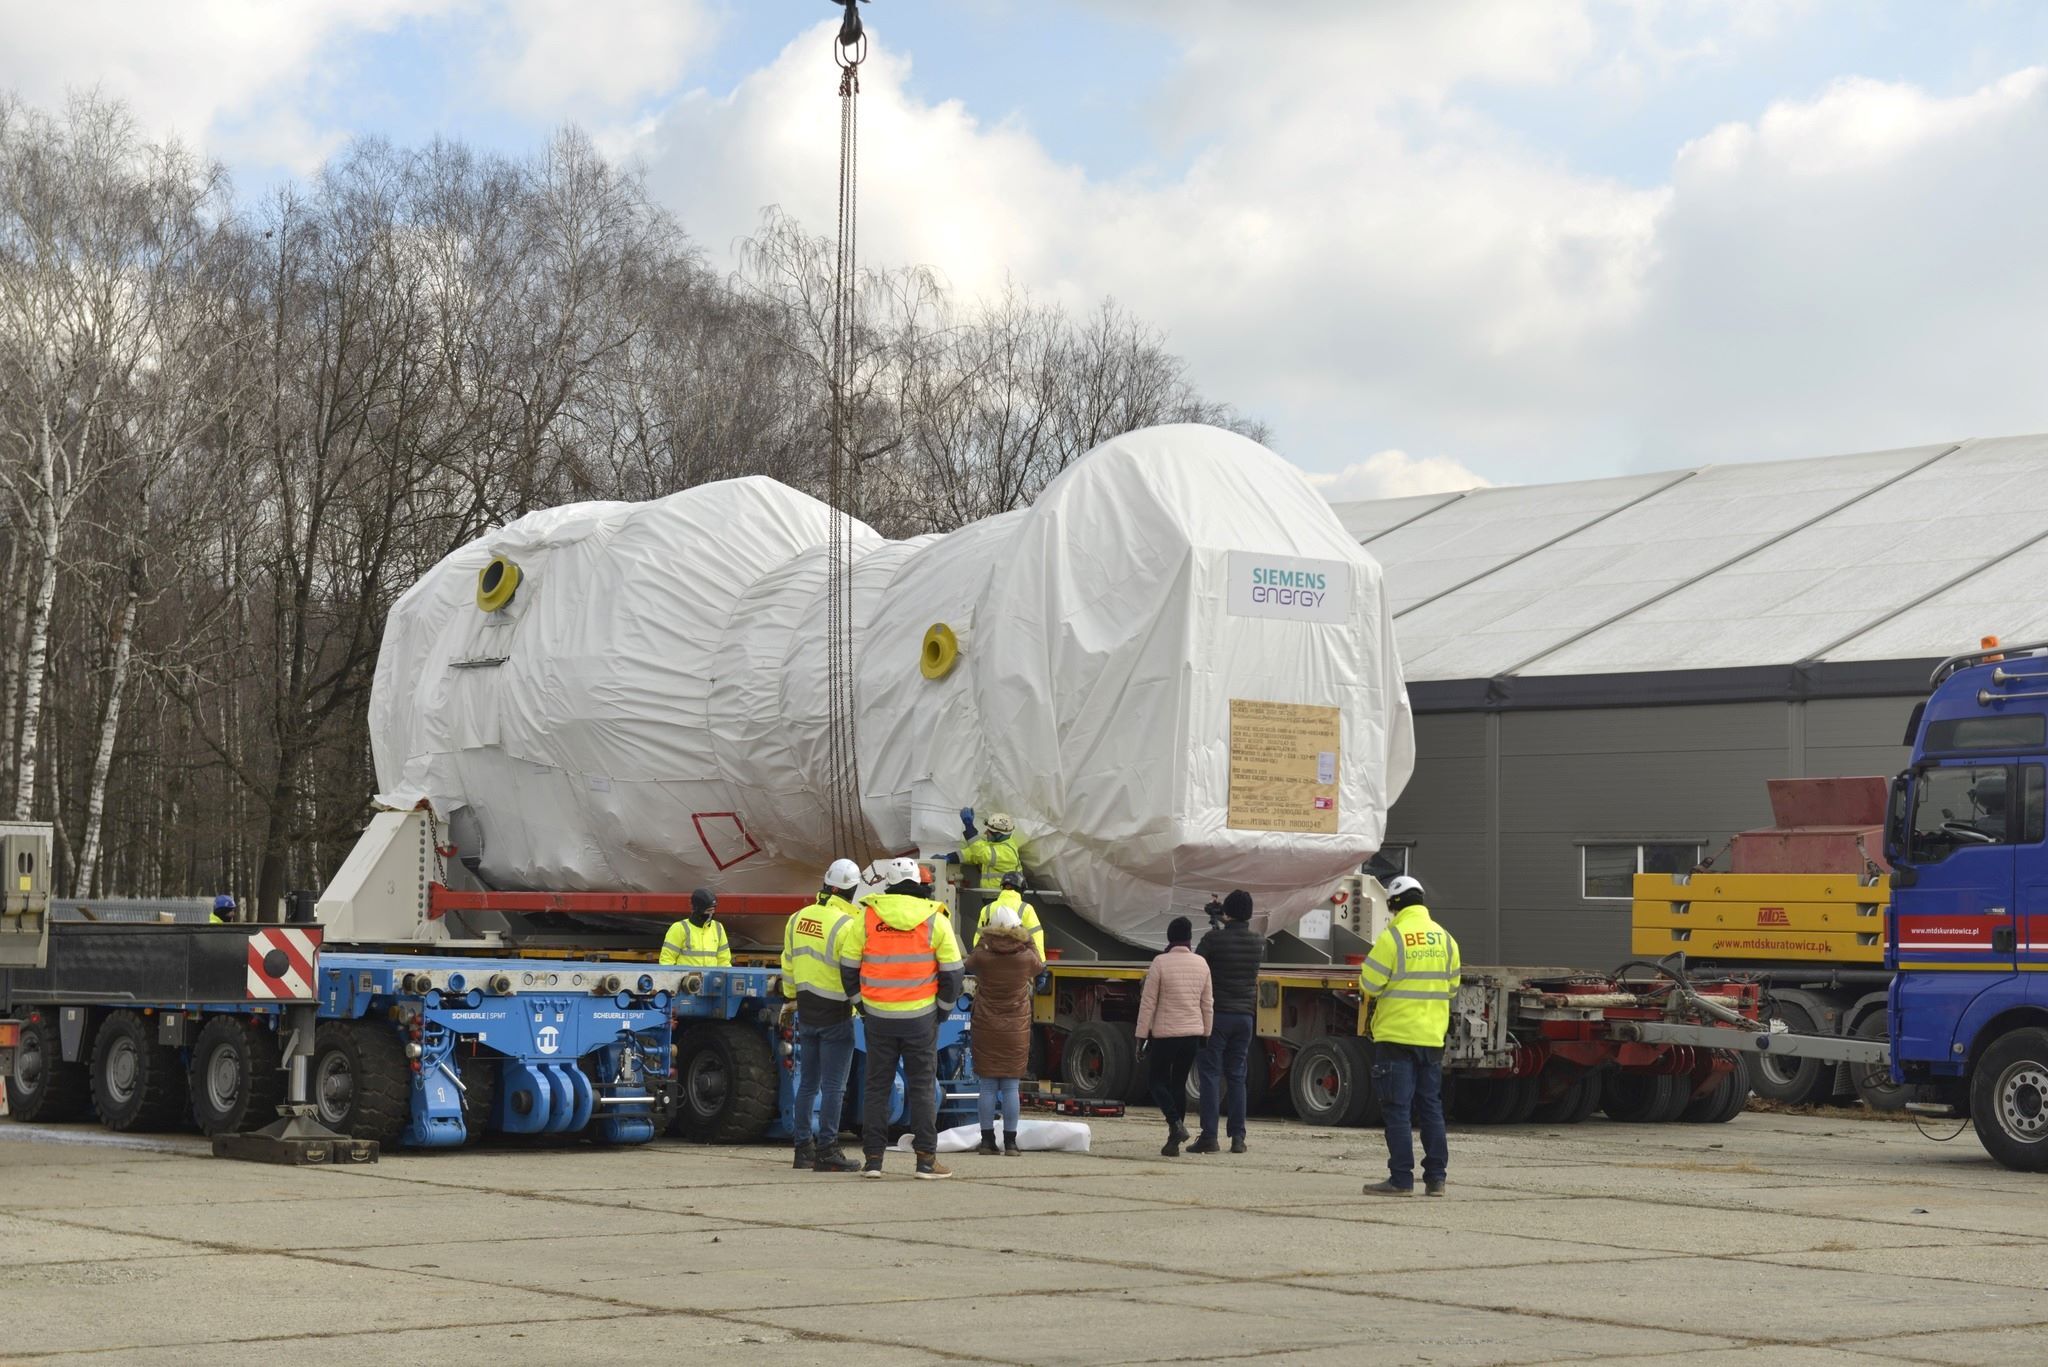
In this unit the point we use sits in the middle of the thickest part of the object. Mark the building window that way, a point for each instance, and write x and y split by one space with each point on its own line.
1608 871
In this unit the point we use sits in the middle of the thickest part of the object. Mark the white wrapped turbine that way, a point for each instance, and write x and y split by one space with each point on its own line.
1175 670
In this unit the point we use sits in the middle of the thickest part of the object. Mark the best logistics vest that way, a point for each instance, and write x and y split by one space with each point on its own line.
899 969
694 946
1412 975
996 858
810 949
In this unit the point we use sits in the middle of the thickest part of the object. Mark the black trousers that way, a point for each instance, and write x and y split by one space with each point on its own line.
917 1050
1171 1058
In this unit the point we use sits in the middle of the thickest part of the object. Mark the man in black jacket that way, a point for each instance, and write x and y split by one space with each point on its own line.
1233 952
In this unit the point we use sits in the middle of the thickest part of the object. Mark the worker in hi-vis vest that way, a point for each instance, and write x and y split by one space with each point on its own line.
1412 977
224 911
907 972
813 955
1012 896
995 849
699 941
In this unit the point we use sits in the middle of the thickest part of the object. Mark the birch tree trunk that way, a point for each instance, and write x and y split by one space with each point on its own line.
103 758
39 629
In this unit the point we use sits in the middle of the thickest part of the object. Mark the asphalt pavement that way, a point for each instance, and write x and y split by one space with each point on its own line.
1777 1238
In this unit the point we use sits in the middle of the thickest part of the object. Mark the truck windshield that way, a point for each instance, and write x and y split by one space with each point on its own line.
1957 806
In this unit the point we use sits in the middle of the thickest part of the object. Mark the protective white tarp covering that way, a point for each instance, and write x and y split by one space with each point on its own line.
649 713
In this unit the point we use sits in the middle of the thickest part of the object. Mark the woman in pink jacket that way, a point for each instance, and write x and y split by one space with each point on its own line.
1174 1015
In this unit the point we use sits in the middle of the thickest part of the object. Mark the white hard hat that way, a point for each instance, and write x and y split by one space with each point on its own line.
1001 824
893 871
1403 884
842 874
1005 918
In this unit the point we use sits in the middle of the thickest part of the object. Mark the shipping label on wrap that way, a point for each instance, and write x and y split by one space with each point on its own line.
1283 766
1290 587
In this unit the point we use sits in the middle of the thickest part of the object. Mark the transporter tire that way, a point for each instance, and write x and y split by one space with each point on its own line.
1580 1098
1873 1081
1331 1082
1720 1103
1640 1098
137 1084
360 1083
2009 1099
479 1074
237 1081
43 1087
1101 1060
726 1084
1792 1081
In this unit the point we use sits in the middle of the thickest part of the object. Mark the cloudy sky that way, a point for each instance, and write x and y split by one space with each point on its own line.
1431 242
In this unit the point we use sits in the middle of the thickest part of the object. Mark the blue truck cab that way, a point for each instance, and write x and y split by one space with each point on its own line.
1967 933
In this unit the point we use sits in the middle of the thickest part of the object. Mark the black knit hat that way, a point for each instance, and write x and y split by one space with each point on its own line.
1180 931
703 899
1238 905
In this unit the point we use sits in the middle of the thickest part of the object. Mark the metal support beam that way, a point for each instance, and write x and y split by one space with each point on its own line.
1828 1048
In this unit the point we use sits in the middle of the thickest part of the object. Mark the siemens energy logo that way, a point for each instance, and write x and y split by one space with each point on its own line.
1283 586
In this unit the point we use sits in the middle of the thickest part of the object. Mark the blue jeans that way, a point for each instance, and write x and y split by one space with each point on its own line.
824 1054
1401 1074
1221 1066
1005 1090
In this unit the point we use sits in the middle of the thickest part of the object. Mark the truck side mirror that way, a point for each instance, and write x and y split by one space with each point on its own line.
1895 819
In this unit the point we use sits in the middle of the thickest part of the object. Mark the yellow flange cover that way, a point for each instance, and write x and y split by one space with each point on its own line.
941 650
496 583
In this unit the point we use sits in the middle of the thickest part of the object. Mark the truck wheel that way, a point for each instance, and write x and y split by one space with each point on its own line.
137 1084
1780 1077
1579 1099
479 1074
1101 1058
2009 1099
1639 1098
236 1082
1521 1100
1331 1082
1720 1103
44 1087
726 1084
1873 1081
360 1082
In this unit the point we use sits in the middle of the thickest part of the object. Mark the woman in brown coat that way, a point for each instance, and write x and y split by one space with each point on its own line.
1004 966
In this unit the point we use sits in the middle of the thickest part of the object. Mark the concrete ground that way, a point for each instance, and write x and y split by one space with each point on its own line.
1777 1238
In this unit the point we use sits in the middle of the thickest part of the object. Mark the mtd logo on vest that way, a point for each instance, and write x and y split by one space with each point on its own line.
1284 586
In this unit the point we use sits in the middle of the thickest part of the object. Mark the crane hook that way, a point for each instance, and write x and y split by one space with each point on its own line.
853 37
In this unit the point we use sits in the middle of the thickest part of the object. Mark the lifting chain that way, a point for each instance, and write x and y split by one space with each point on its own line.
849 828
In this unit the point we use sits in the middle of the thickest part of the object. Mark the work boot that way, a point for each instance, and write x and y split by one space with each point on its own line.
1435 1188
1206 1144
1172 1149
873 1166
1237 1144
1180 1132
1010 1149
830 1159
1387 1188
806 1154
930 1169
988 1143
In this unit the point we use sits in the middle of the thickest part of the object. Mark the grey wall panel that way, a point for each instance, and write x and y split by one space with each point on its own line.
1594 940
1604 731
1450 734
1671 793
1835 723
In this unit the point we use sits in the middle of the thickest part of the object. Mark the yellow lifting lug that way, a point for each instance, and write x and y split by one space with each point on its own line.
941 651
496 583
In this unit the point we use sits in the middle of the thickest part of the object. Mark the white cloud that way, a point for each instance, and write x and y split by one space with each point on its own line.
561 59
193 69
1395 474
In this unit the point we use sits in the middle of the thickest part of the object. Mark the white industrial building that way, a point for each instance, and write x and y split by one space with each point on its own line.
1605 672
